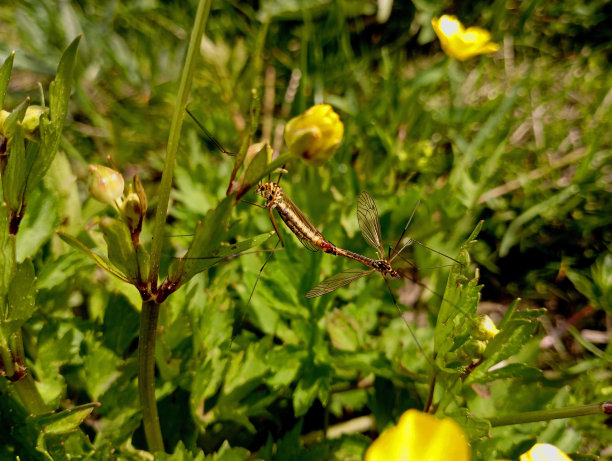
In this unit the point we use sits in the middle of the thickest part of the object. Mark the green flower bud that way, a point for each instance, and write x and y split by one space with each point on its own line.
315 135
132 210
31 121
473 349
105 184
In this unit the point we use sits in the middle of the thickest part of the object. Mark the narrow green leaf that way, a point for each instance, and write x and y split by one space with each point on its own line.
201 263
51 125
205 242
5 75
21 298
65 421
7 255
14 180
60 88
121 251
100 262
513 234
512 370
509 314
16 116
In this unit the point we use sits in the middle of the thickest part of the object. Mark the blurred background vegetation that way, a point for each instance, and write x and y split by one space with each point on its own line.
520 139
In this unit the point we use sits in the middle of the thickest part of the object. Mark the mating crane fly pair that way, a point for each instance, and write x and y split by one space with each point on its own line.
313 240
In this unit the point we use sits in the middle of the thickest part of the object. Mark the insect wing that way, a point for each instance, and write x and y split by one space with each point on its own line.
367 215
305 222
337 281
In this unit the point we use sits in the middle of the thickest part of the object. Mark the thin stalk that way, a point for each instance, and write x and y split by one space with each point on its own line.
146 375
150 309
547 415
25 387
173 138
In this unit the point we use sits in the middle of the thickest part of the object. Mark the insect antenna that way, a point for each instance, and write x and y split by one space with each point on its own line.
210 136
404 231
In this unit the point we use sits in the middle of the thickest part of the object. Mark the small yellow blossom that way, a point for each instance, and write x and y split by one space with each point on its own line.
461 43
315 135
485 328
544 452
105 184
420 437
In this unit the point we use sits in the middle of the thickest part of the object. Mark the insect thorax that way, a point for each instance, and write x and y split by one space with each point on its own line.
270 191
382 265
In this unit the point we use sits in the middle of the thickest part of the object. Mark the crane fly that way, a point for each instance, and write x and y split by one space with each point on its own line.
369 224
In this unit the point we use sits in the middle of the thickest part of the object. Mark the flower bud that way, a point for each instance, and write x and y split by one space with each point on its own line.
472 350
132 210
31 121
315 135
105 184
461 43
3 116
485 328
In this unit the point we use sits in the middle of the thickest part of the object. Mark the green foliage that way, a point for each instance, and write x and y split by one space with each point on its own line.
512 149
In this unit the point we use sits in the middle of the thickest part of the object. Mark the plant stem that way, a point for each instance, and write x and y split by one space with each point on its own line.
146 375
547 415
25 386
174 137
30 398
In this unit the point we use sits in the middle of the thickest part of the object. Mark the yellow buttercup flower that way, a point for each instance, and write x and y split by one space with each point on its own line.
420 436
544 452
315 135
461 43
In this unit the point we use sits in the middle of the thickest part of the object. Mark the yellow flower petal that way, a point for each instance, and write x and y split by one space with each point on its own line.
544 452
459 42
420 437
315 135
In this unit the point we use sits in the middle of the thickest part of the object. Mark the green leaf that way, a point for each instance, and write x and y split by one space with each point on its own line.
201 263
513 234
14 179
51 125
121 251
38 224
205 243
342 331
16 116
473 426
315 382
5 75
512 370
99 260
461 298
21 298
7 257
65 421
505 344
